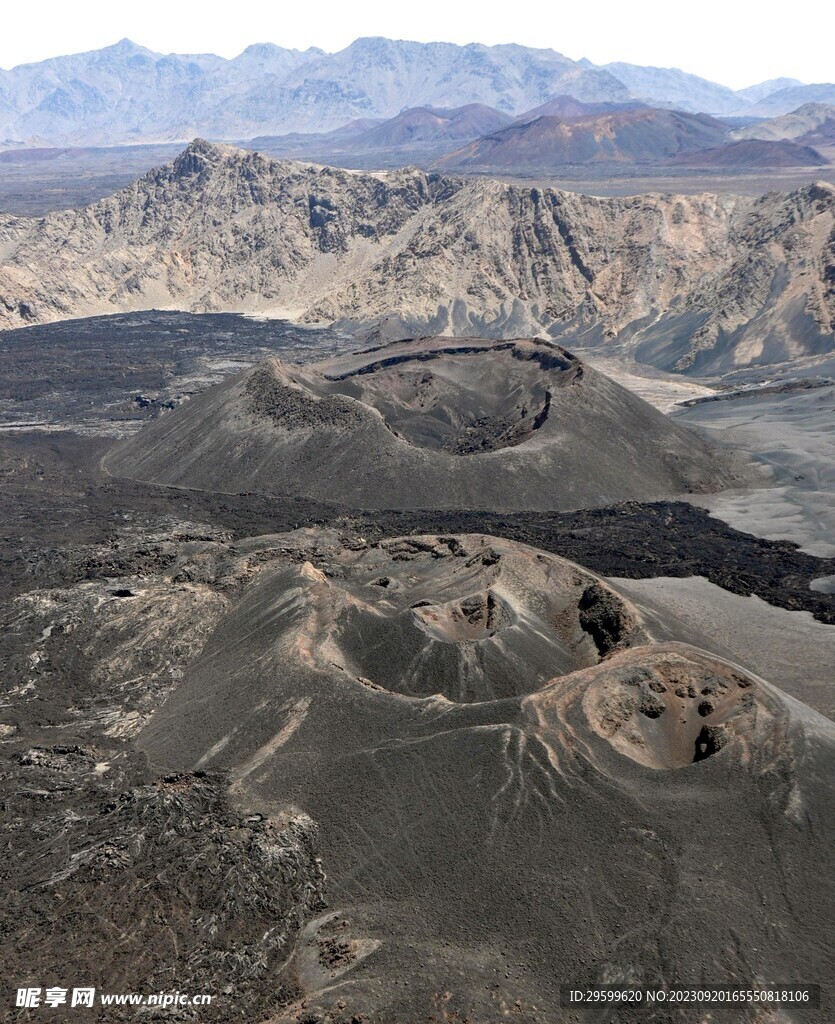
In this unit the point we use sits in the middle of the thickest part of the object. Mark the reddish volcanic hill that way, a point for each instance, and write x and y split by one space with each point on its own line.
568 108
632 136
431 124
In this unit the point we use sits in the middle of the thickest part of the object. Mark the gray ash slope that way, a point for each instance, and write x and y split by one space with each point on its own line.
683 277
391 781
431 423
484 844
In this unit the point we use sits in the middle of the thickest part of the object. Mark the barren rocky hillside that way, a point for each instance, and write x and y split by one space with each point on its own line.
687 281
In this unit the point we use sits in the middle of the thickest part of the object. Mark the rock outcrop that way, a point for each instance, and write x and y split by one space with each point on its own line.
685 280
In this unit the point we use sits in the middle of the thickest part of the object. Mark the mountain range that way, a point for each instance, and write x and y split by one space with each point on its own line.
685 281
126 93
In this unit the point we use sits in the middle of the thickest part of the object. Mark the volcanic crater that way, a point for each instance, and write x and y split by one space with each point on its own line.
430 423
458 401
467 618
675 707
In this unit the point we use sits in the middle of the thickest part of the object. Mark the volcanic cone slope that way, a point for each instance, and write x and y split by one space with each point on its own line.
430 423
516 786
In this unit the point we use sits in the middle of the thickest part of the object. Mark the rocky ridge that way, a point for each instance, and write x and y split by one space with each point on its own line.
682 278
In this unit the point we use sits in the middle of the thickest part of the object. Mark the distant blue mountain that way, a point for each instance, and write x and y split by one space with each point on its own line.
125 93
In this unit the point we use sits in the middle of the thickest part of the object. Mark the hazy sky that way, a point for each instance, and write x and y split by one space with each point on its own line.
736 42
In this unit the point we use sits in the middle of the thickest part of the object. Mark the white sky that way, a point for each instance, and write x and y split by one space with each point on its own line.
736 42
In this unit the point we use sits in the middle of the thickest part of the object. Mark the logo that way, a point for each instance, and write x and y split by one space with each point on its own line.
30 998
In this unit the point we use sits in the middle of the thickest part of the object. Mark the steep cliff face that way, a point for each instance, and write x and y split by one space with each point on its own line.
683 279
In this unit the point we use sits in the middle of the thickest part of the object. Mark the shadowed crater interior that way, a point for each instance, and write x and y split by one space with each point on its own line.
446 400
